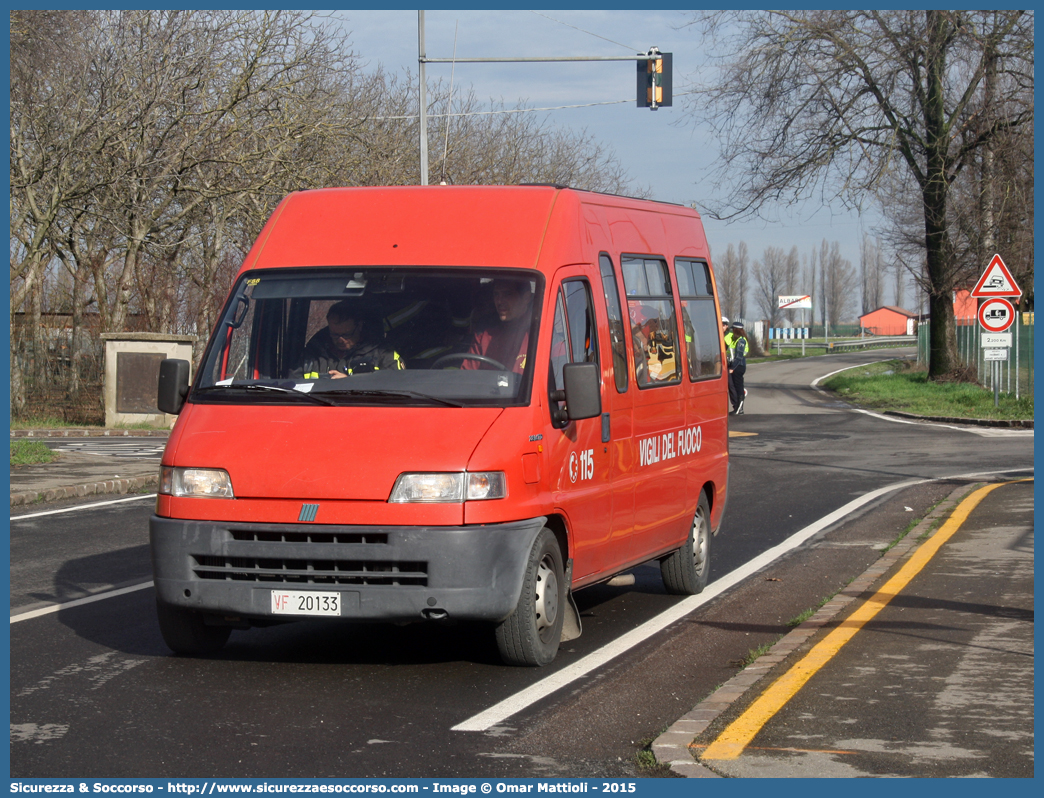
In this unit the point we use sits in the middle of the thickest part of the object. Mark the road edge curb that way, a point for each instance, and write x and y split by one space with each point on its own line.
90 433
125 485
673 746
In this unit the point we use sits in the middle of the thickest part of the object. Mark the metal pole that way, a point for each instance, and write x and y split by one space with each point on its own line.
423 99
996 383
978 351
1017 373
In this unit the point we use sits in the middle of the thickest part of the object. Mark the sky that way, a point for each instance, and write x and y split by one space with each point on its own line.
663 150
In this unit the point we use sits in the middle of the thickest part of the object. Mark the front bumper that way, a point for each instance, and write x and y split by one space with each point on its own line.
382 573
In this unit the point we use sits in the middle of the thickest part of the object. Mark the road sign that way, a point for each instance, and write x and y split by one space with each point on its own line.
996 315
996 281
795 302
994 354
995 339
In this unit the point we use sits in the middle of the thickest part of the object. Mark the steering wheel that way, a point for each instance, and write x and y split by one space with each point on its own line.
462 356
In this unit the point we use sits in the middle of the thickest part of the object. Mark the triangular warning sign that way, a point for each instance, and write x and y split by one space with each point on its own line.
996 281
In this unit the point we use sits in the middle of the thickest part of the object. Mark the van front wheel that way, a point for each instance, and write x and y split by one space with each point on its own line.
531 633
685 571
186 633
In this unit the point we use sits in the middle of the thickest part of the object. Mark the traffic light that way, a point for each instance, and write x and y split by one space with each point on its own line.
654 80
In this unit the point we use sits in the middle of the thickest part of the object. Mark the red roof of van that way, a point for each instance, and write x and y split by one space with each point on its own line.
425 225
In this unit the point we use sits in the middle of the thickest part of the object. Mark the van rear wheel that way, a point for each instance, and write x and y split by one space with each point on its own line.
531 633
685 571
186 633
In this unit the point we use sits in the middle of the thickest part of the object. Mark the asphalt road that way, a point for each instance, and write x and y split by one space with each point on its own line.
95 692
937 684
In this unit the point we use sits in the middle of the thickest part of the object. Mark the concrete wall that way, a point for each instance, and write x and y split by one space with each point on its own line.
132 374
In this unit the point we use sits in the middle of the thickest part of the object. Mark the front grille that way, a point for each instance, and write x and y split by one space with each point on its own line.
280 536
318 572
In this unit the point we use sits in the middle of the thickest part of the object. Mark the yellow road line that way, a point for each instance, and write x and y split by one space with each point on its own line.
731 742
737 434
695 747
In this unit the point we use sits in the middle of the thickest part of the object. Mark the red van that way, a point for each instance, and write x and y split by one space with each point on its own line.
428 403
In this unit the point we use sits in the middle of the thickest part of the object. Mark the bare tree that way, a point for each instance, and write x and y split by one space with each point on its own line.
743 267
871 275
898 284
793 271
726 272
843 99
210 97
770 277
56 129
812 281
839 283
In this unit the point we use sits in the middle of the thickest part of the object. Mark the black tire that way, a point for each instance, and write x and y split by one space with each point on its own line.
186 633
531 633
685 571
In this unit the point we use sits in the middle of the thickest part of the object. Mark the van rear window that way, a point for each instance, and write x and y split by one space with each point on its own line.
424 337
699 319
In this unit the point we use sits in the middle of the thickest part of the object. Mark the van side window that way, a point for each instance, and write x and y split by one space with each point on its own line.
654 328
573 336
699 319
616 325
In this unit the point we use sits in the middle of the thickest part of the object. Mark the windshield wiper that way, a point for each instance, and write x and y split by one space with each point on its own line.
407 394
253 386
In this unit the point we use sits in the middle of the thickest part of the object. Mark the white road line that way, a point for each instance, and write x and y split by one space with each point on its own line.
817 380
53 608
498 713
83 507
983 432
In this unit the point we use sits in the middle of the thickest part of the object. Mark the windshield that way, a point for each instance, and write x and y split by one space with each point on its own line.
373 336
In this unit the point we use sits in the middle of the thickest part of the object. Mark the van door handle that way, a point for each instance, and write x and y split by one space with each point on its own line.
605 428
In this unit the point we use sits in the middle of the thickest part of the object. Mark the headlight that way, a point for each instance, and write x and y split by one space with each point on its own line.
199 483
452 487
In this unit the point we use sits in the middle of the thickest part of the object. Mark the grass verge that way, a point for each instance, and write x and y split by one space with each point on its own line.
50 422
30 452
901 385
45 422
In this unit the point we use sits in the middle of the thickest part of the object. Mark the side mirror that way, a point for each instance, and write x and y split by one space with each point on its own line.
583 390
173 385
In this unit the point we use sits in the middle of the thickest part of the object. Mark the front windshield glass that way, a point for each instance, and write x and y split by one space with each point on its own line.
429 337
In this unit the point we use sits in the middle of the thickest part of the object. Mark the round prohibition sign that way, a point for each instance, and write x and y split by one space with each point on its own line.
996 315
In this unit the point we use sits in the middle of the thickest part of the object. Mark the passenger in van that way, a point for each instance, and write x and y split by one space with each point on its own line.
506 340
653 339
351 343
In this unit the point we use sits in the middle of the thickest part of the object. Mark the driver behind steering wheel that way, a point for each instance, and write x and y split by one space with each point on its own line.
506 340
351 343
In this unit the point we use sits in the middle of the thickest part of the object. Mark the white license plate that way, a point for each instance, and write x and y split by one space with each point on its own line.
295 602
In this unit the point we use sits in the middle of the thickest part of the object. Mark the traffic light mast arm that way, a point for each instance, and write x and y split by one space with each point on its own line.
654 71
639 57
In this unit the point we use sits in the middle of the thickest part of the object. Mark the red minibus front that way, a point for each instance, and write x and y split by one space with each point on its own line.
403 417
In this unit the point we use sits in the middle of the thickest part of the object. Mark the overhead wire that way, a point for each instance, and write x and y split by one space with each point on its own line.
589 33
